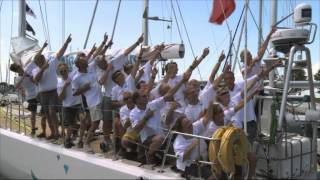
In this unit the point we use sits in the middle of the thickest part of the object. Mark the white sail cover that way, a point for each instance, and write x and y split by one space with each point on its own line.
20 46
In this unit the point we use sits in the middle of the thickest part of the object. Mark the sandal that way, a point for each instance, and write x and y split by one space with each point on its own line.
41 135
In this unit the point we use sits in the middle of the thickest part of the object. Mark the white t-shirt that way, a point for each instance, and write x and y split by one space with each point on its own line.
207 94
117 63
29 87
179 95
181 144
146 72
158 107
238 87
125 115
69 100
193 112
117 91
48 81
254 71
136 116
93 95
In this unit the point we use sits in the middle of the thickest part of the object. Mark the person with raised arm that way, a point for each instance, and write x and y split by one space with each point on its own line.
254 64
145 117
46 77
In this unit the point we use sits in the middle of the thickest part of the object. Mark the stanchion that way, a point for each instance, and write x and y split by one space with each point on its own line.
24 121
10 116
19 118
7 115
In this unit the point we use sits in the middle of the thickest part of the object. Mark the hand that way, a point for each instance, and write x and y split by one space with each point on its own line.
186 76
67 83
69 39
273 29
105 37
141 71
45 44
87 85
140 52
110 43
154 71
174 105
221 57
277 64
148 114
45 65
195 141
205 52
140 39
109 67
94 48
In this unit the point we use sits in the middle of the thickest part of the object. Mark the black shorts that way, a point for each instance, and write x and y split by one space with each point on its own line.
32 105
49 99
71 114
85 104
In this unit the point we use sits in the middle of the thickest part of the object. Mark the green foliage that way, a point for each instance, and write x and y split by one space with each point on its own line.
317 76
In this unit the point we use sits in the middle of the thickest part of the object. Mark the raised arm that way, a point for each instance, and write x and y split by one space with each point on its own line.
152 79
137 128
38 76
241 103
64 47
132 47
106 47
216 67
137 63
45 44
172 91
264 46
93 49
98 50
104 77
259 76
197 61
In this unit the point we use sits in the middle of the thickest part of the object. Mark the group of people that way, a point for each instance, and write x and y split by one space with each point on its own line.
134 109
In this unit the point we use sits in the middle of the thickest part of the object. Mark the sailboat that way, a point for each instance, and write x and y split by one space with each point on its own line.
288 156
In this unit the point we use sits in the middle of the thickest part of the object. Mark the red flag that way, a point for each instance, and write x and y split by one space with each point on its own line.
221 10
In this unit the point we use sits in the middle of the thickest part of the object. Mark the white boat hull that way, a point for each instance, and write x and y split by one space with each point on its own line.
23 157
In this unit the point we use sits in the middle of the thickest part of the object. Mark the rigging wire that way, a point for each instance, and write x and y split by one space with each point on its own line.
211 29
11 29
189 41
176 20
0 42
47 23
255 22
63 19
90 26
115 20
43 23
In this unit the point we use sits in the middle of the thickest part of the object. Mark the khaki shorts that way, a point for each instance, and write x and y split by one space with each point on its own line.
96 113
132 136
106 108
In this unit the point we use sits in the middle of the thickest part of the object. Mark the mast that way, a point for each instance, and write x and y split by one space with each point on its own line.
22 19
273 21
145 25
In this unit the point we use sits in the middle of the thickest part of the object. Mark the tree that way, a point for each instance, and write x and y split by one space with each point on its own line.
317 76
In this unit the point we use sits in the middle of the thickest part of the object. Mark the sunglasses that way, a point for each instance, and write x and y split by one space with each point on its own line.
126 98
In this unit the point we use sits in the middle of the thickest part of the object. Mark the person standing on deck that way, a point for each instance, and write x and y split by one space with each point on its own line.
46 77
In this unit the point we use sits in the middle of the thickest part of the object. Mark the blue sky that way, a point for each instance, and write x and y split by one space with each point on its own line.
195 14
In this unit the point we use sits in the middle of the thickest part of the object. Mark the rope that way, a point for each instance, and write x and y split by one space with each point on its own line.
47 23
115 20
189 41
90 26
175 17
43 22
